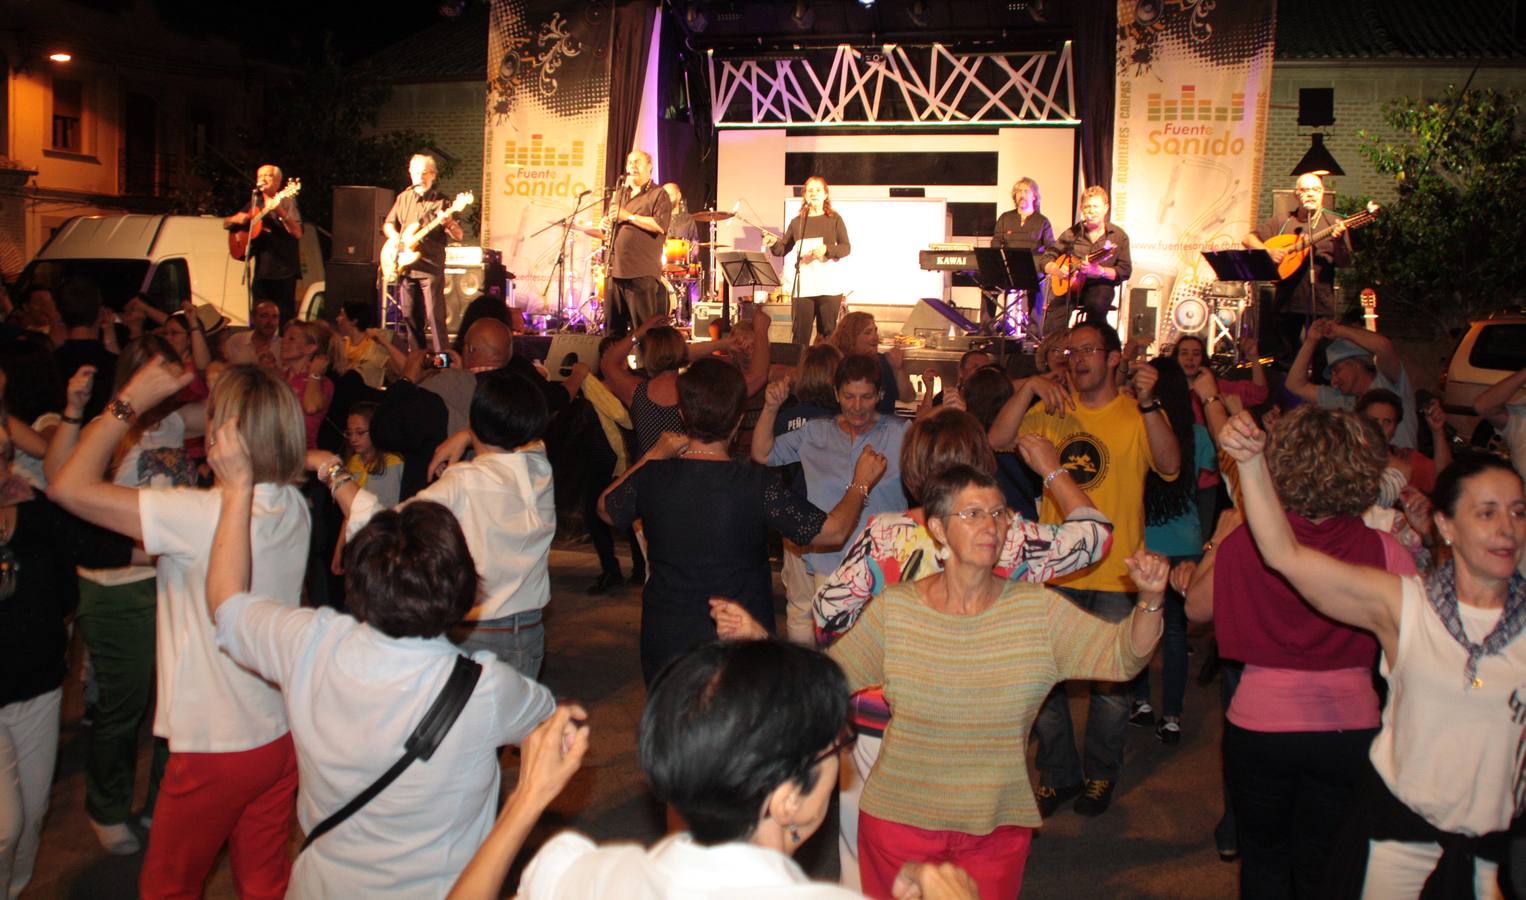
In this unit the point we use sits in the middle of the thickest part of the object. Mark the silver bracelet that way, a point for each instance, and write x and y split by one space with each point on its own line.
1049 479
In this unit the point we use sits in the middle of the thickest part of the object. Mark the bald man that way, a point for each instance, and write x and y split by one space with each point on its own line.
1292 307
276 251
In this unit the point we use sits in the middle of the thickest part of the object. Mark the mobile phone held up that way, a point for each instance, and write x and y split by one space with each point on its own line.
437 361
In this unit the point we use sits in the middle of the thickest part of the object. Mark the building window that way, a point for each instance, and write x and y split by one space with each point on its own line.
68 115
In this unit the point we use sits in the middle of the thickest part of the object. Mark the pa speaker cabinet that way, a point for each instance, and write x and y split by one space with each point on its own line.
346 282
358 214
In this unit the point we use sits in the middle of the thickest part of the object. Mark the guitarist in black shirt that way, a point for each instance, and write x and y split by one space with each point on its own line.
422 289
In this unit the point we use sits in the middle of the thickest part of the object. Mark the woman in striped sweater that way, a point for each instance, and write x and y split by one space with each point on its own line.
966 659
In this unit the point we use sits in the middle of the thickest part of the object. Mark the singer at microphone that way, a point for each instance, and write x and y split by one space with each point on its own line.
268 233
637 220
814 295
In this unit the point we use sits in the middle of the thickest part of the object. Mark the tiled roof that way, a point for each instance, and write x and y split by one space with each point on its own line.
453 49
1400 29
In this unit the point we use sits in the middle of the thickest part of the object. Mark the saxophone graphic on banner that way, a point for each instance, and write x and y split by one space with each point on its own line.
1194 78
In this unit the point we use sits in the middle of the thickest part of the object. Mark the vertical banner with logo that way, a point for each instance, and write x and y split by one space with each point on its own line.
1194 77
547 117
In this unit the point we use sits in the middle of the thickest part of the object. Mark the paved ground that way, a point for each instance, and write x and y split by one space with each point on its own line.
1154 842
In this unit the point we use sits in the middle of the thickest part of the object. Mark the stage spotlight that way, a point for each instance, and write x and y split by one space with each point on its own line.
866 3
61 56
803 16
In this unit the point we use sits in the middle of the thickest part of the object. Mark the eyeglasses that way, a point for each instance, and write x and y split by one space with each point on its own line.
1084 351
974 514
843 742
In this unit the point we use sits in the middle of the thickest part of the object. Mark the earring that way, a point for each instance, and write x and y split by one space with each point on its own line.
941 553
794 833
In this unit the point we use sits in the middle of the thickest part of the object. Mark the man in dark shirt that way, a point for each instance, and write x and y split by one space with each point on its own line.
79 305
1292 307
277 250
639 219
1024 228
422 289
1092 234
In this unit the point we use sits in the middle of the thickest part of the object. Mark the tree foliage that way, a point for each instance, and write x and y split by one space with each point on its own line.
1449 249
319 125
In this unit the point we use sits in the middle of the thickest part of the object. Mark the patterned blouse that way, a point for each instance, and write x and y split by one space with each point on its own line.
896 547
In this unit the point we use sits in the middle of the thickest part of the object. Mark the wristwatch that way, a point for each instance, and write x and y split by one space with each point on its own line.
1150 407
1144 605
121 409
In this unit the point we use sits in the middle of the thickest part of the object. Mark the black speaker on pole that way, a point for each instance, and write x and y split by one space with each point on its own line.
358 214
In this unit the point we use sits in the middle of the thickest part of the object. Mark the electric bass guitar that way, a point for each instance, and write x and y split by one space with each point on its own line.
1297 246
1067 276
238 241
400 253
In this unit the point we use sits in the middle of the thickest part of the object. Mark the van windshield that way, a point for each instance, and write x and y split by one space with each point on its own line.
118 279
1500 346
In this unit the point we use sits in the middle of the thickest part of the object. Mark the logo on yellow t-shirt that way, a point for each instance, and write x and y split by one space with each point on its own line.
1086 459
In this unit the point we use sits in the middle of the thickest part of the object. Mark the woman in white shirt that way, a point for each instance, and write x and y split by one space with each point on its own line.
1450 780
232 775
356 687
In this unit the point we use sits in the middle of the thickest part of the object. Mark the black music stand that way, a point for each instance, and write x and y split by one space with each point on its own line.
744 268
1242 265
1003 270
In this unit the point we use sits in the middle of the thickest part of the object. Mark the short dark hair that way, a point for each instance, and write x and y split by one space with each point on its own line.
360 312
79 303
728 723
1111 343
1383 396
1449 483
508 410
985 392
857 367
939 491
711 394
409 572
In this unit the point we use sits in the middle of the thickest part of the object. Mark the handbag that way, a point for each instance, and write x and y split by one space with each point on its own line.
421 744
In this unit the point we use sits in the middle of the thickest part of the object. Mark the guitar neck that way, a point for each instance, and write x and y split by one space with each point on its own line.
1356 221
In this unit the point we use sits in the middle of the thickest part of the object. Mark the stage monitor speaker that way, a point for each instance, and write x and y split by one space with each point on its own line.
358 214
345 282
935 316
568 348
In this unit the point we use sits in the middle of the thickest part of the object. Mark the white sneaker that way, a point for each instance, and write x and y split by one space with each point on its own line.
118 840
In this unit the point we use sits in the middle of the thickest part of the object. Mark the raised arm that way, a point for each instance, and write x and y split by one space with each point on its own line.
1003 432
612 365
763 431
201 354
1382 349
1298 375
1359 596
80 485
1491 402
757 364
844 516
1441 448
1164 447
228 566
1042 457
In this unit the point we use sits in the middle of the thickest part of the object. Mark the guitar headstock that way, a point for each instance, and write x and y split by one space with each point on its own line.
462 201
292 189
1369 299
1373 207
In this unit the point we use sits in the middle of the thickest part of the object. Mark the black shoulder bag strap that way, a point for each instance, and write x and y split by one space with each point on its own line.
421 744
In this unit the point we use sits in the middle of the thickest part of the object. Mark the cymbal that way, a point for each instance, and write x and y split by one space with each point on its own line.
717 244
711 215
592 231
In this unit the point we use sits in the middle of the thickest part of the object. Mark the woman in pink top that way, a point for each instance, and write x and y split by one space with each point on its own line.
1306 711
305 361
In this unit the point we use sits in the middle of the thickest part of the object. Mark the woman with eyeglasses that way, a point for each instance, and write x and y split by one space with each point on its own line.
966 658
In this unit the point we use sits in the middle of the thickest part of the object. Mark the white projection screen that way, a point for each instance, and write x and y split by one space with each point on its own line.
886 235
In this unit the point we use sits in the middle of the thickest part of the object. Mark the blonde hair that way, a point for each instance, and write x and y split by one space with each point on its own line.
269 420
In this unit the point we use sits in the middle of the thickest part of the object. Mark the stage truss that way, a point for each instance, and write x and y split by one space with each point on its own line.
894 86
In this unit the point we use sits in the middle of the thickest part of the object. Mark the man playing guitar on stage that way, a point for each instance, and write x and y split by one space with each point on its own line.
421 290
1096 239
1292 308
276 249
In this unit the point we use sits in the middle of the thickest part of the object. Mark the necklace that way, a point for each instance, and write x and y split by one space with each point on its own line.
707 454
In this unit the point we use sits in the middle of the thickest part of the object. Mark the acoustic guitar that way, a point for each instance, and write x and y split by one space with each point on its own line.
238 241
1297 246
1067 277
400 253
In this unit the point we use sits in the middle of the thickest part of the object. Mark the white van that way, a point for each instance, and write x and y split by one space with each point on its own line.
168 258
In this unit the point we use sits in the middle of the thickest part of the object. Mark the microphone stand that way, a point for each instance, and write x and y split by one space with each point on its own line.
559 268
805 215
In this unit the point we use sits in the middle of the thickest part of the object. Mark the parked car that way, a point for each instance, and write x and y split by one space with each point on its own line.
1492 348
168 258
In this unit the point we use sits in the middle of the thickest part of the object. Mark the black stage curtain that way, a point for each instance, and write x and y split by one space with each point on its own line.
1095 58
629 44
685 138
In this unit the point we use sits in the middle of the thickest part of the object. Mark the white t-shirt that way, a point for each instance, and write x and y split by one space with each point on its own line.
169 434
207 703
507 510
1450 752
571 866
353 696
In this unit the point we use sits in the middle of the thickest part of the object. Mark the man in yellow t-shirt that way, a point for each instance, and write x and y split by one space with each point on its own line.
1107 442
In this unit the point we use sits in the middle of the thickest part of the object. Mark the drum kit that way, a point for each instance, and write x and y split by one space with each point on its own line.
683 276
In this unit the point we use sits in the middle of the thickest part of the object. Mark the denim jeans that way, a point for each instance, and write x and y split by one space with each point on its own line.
519 640
1107 717
1291 792
1173 654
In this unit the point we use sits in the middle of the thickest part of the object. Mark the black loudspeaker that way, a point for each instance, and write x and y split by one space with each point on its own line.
358 214
1316 107
345 282
472 272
